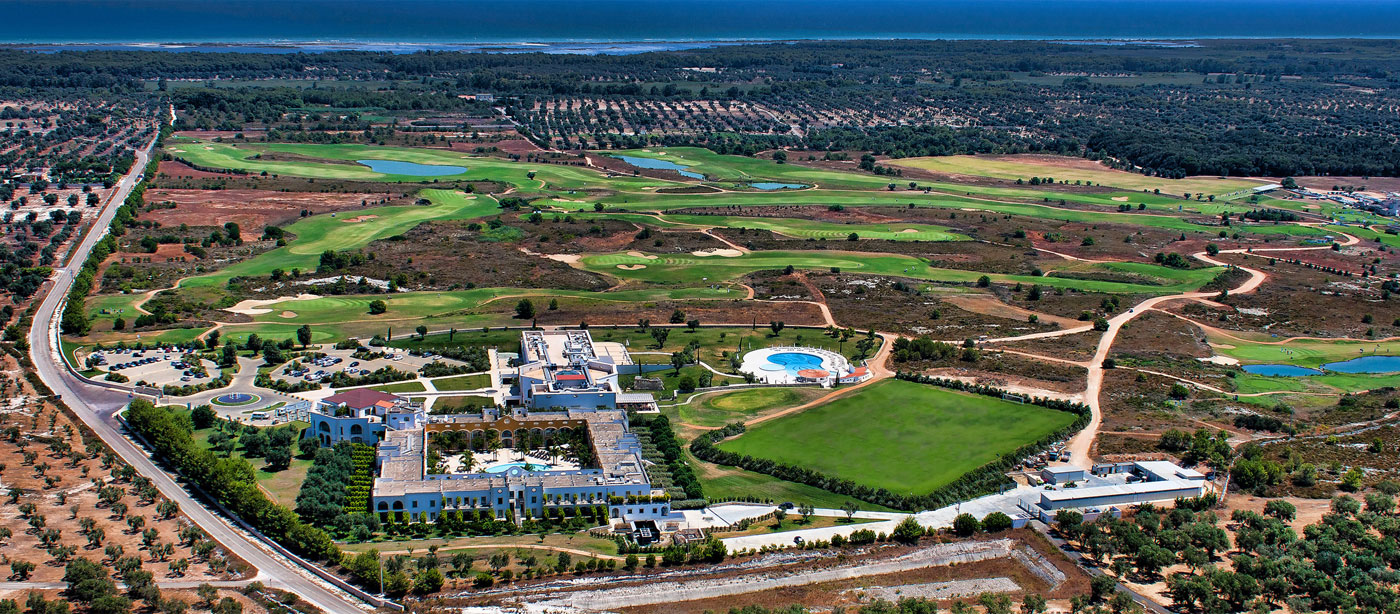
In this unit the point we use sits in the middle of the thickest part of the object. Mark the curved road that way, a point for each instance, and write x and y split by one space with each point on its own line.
97 406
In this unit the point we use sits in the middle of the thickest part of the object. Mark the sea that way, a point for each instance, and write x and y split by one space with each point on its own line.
634 26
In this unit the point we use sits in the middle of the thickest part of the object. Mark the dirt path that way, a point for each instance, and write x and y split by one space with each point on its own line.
1080 445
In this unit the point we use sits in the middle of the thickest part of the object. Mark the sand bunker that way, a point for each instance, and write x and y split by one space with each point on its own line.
565 258
908 230
631 267
641 255
727 253
1220 360
1121 199
253 307
287 314
360 218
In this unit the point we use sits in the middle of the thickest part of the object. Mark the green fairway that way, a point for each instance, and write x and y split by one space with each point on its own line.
338 162
1004 167
906 437
1302 352
796 228
685 268
317 234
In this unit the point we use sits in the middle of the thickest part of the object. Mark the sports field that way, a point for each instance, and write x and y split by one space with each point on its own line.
906 437
1072 169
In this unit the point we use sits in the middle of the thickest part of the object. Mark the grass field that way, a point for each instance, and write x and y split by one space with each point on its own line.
409 386
720 408
462 382
733 484
906 437
685 268
1025 167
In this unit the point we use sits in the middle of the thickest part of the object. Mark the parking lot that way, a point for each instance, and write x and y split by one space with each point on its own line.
321 369
158 367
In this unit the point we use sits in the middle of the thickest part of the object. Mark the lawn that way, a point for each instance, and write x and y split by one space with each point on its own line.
462 382
720 408
283 485
1301 352
722 483
906 437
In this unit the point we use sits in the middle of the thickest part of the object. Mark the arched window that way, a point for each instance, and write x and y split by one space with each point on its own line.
382 506
357 429
324 427
398 505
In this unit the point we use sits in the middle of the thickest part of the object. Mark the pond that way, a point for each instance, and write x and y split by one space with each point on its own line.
414 169
1280 370
771 185
662 165
1366 364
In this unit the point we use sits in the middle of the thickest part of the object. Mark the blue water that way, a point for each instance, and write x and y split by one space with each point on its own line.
1367 364
1280 370
793 362
504 467
395 167
769 185
658 21
663 165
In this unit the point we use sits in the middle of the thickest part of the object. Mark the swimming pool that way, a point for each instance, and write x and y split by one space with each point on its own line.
792 362
504 467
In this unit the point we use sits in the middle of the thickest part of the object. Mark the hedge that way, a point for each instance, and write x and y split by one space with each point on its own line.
987 479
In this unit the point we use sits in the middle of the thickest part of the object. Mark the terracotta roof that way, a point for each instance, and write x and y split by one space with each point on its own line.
812 373
361 398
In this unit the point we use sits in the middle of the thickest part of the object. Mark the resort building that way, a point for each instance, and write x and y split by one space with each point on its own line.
563 399
362 416
614 474
566 369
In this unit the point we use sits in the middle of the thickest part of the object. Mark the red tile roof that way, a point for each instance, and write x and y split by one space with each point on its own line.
361 398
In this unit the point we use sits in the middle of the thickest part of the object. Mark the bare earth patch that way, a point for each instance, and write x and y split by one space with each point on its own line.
636 254
727 253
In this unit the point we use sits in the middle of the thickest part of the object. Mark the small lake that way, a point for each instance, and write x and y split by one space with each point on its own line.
414 169
1366 364
1280 370
769 185
661 165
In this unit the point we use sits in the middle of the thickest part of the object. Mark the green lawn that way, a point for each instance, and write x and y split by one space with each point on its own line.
721 408
906 437
733 484
462 382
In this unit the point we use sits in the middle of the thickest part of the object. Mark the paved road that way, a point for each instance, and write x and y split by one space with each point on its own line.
96 407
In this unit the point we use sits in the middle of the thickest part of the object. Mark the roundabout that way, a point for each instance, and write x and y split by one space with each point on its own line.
235 399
